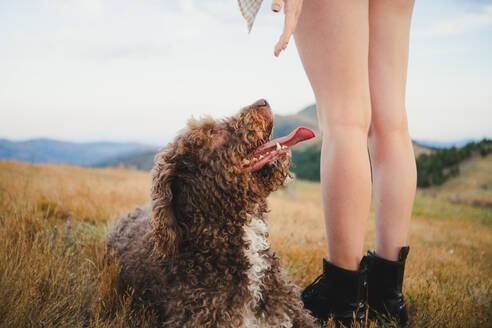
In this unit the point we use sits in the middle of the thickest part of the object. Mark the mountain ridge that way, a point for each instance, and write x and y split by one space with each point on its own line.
140 156
52 151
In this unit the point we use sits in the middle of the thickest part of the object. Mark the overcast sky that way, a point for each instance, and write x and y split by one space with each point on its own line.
136 70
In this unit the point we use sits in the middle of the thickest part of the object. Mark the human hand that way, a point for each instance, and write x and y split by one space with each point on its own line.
292 10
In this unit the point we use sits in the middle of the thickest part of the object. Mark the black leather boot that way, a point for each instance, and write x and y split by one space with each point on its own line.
338 293
385 280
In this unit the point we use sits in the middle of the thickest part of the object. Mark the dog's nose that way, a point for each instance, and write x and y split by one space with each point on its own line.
261 103
262 107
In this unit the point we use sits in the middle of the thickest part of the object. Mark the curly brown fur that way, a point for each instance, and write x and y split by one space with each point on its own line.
193 251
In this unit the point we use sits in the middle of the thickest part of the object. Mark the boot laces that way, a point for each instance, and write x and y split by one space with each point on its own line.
312 289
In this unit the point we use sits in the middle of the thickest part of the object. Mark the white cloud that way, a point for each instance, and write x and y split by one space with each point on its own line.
81 7
459 25
136 70
94 7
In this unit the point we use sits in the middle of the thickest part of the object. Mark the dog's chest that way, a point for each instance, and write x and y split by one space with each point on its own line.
255 235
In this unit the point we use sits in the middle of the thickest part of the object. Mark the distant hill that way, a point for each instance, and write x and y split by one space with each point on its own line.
143 160
284 124
444 144
473 185
419 149
444 163
56 152
311 112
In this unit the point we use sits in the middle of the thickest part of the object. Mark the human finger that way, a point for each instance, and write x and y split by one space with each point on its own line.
292 12
276 5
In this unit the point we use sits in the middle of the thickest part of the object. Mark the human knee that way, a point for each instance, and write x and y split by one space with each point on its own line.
346 120
395 123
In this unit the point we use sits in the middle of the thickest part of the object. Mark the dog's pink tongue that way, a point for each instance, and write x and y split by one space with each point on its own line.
298 135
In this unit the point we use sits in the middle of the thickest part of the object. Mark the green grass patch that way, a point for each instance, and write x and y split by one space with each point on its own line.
441 209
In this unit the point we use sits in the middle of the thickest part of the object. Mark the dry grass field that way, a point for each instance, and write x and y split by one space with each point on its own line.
53 220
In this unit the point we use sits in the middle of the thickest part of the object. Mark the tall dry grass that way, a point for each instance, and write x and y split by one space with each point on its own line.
52 265
449 269
53 272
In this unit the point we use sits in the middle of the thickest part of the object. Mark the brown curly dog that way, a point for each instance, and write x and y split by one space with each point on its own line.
199 252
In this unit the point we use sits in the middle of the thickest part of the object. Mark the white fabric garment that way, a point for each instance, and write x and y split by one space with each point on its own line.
249 10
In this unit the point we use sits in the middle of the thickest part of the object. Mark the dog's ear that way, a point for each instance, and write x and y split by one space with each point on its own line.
165 228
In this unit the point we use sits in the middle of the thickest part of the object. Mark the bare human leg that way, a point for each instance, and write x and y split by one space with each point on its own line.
332 38
392 156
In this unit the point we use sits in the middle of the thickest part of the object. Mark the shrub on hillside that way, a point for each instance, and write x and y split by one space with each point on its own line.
442 164
307 163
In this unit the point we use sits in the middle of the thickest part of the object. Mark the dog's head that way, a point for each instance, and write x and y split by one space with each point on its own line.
218 170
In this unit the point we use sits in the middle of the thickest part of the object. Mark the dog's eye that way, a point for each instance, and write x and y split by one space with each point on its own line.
214 132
